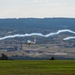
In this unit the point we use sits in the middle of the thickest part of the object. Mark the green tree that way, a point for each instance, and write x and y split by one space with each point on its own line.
52 58
3 57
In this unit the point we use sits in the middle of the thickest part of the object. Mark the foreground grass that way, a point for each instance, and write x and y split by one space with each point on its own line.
37 67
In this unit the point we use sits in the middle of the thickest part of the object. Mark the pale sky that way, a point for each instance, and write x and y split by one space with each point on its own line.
37 8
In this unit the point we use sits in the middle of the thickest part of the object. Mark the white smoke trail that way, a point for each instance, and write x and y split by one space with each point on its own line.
69 38
39 34
60 31
21 35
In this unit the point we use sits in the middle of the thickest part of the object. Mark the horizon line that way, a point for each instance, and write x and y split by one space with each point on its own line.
32 17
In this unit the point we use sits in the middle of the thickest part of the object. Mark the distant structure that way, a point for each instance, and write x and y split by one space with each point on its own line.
21 46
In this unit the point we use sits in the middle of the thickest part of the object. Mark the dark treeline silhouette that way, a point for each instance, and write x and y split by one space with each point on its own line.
3 57
52 58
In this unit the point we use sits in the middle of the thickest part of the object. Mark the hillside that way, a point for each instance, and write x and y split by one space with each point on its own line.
43 25
44 47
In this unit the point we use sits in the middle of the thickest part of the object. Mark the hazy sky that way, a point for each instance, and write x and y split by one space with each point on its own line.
37 8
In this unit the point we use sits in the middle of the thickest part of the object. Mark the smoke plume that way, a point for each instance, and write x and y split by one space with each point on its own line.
40 34
69 38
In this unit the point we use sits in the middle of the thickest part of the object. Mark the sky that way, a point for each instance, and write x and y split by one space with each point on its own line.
37 8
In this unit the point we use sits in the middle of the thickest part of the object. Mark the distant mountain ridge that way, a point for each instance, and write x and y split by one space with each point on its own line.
37 24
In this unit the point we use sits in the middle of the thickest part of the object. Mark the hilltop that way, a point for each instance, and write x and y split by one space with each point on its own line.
43 25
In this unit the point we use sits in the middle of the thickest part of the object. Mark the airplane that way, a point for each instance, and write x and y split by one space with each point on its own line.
29 42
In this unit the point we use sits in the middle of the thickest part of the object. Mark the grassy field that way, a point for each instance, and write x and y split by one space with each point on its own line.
37 67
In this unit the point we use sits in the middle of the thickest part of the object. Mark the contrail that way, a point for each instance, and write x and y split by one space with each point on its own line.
38 34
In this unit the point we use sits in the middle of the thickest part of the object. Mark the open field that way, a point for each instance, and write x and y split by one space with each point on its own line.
37 67
40 51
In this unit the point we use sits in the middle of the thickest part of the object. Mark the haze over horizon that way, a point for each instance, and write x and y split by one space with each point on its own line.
37 8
